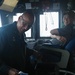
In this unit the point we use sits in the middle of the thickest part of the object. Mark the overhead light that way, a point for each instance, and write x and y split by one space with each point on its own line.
9 5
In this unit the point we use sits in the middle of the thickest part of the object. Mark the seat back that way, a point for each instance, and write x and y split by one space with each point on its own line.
64 58
59 56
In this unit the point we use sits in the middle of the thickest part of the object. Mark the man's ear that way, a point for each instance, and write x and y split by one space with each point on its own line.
19 17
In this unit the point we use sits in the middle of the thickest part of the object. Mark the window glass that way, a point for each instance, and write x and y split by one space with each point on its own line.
15 18
48 21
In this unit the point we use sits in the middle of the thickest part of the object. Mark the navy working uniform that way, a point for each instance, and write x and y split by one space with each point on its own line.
13 50
68 32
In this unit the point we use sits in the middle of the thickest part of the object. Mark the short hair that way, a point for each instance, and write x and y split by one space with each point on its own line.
71 14
30 13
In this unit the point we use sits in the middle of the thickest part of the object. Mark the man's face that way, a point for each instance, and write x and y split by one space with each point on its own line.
25 23
67 20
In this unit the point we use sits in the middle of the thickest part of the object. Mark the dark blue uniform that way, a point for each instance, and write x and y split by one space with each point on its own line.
13 50
68 32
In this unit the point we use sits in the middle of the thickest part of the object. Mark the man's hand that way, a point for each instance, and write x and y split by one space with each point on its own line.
55 36
13 72
60 38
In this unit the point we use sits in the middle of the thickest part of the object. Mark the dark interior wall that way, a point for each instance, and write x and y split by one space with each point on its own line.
36 27
4 17
20 7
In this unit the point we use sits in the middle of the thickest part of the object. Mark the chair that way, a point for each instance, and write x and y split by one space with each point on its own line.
61 59
71 46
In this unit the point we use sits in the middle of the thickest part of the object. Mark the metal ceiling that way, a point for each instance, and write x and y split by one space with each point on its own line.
21 3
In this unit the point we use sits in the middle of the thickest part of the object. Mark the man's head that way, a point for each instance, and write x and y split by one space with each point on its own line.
68 17
25 21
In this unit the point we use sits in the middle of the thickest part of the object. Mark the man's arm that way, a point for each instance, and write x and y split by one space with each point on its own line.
55 36
54 32
60 38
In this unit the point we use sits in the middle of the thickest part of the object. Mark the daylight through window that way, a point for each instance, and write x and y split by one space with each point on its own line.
48 21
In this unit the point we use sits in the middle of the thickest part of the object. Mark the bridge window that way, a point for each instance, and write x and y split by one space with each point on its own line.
48 21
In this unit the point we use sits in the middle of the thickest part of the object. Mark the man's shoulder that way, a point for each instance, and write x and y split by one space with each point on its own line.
8 26
73 26
68 27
